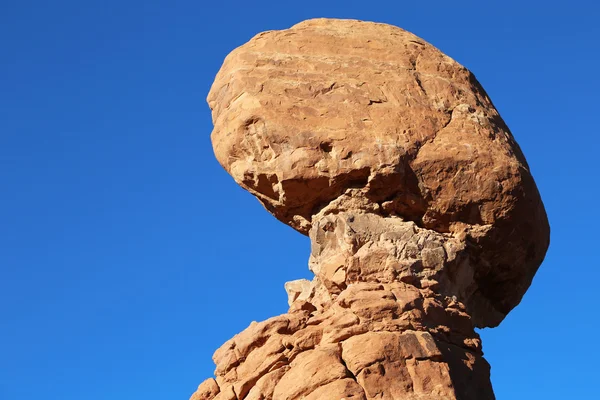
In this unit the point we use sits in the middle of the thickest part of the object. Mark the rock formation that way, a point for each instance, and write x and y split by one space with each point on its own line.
424 219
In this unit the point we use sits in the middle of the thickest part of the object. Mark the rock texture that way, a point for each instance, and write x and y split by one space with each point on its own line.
374 341
423 216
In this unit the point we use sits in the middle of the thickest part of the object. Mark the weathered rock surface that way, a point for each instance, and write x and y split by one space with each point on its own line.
374 341
423 216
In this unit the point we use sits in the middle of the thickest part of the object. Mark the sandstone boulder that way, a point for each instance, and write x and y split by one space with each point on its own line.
303 115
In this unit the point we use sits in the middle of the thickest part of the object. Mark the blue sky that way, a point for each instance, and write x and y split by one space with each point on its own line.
127 255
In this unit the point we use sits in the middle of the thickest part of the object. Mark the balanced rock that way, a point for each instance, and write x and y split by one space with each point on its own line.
423 216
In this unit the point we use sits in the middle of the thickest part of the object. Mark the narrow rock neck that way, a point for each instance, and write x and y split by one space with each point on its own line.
350 247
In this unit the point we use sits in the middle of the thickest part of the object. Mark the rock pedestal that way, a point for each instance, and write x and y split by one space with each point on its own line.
423 216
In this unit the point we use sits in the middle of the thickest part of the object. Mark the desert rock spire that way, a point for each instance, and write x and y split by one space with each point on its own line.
424 219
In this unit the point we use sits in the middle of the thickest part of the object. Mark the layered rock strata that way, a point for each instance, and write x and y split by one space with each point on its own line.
423 216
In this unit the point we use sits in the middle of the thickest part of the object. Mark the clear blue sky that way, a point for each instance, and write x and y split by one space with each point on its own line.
128 255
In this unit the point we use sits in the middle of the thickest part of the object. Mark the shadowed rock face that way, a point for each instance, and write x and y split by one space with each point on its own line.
423 216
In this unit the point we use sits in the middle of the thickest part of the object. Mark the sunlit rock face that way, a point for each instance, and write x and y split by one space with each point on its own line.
423 216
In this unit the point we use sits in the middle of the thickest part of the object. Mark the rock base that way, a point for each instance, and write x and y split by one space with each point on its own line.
374 341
